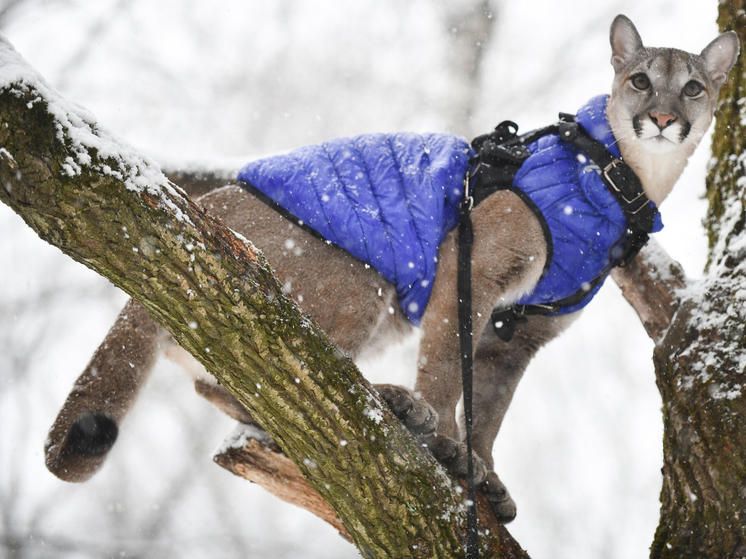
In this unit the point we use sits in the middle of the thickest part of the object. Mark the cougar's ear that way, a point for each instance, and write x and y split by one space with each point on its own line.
625 42
720 56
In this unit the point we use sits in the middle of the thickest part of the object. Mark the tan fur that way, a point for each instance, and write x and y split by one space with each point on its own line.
657 129
108 387
656 156
507 259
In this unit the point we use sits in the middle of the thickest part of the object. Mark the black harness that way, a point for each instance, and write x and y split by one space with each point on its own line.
499 156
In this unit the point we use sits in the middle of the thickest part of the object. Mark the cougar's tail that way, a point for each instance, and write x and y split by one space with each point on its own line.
88 423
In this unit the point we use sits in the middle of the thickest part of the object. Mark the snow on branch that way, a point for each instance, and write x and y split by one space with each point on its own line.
650 283
90 146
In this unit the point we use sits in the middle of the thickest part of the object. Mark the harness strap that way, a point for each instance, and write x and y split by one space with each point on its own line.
465 241
617 175
500 155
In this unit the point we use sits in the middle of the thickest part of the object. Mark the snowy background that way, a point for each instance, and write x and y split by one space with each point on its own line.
214 83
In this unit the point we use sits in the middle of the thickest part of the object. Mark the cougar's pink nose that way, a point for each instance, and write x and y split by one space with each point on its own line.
662 120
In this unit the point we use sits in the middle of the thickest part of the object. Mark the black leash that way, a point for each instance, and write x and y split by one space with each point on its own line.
465 240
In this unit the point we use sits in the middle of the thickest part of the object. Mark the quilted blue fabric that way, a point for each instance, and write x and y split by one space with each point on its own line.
583 216
388 199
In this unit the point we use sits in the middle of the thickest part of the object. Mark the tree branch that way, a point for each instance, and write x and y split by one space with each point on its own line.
110 208
699 364
649 283
251 454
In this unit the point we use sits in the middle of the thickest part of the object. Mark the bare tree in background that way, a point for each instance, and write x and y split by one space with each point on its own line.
469 26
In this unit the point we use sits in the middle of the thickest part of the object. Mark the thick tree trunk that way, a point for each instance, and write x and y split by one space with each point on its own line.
700 363
111 209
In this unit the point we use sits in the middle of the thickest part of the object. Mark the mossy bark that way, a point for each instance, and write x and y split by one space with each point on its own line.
218 298
729 139
700 362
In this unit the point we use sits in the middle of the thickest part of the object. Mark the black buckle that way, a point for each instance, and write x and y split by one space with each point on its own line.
493 153
611 169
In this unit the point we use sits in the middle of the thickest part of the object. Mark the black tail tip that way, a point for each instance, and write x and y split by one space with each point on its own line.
92 434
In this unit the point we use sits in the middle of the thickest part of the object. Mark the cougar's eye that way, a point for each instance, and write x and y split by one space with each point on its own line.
692 88
640 81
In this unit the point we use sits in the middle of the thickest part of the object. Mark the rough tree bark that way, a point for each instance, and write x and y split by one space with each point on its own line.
700 360
111 209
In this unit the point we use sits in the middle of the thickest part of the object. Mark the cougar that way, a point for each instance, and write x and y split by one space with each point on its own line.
661 104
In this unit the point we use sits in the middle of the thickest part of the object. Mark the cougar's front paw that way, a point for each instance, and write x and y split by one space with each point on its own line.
502 504
417 415
453 455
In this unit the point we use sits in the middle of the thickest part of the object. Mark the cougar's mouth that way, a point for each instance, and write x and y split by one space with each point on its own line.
657 140
659 143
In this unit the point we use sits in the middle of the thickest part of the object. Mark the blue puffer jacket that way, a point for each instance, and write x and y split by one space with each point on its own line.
390 199
583 217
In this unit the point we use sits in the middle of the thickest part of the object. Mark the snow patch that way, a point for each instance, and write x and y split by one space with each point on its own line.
240 437
375 414
78 129
7 154
719 392
656 255
722 346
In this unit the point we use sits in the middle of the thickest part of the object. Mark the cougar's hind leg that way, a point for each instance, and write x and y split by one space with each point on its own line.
88 423
223 400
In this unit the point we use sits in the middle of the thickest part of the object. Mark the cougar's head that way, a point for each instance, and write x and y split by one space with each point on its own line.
663 99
